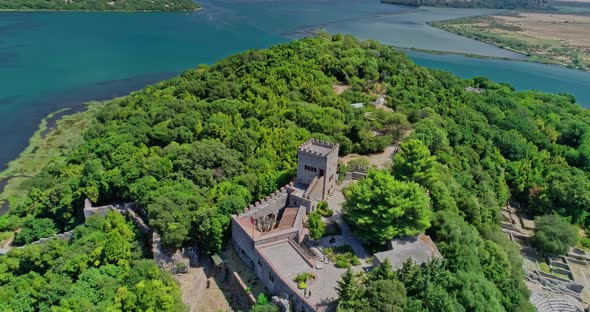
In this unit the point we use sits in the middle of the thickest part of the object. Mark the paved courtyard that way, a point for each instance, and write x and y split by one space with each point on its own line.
347 238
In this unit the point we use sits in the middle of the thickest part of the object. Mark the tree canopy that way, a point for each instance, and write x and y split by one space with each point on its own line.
554 235
100 269
195 149
99 5
380 207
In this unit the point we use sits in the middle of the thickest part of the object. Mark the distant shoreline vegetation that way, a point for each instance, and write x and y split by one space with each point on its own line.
530 34
99 5
473 4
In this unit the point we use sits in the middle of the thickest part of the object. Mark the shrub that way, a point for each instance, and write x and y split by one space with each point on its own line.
585 242
554 235
302 285
261 299
317 228
324 210
342 263
304 277
355 261
35 229
326 213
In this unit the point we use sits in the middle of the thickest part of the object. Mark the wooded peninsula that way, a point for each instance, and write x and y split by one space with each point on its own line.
98 5
198 148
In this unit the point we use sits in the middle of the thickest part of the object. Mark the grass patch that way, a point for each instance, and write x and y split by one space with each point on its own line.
342 256
46 145
584 243
544 267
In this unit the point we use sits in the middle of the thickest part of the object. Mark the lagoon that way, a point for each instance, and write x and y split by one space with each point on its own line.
53 60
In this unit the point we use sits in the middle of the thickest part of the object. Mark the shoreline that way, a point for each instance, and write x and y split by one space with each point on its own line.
470 55
530 58
55 135
51 122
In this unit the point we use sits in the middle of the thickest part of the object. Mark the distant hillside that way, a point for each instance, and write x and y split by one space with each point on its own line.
491 4
99 5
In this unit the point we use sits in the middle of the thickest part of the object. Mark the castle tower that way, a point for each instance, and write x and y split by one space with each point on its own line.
317 167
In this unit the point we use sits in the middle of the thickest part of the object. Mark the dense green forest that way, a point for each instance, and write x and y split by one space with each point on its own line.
487 4
99 5
197 148
100 269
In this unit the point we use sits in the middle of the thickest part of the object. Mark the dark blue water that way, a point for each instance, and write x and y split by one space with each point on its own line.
52 60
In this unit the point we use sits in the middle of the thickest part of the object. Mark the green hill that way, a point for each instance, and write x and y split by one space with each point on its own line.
98 5
197 148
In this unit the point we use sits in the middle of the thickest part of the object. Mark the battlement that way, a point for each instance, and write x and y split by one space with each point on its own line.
319 147
278 195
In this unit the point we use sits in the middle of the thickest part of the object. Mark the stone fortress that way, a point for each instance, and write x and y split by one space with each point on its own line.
269 235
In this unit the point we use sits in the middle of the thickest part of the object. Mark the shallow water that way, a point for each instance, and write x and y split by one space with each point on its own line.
52 60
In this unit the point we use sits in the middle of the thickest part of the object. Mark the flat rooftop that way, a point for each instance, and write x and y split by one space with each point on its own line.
419 248
319 147
287 262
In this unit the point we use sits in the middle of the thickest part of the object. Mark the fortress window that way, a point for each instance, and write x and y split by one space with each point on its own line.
310 168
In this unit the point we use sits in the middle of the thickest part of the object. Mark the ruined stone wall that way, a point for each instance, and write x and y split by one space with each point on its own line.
240 297
65 236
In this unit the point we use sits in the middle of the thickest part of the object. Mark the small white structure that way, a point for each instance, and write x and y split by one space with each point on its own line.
357 105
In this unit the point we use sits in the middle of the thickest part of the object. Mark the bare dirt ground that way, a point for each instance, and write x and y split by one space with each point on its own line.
196 295
339 89
569 28
380 160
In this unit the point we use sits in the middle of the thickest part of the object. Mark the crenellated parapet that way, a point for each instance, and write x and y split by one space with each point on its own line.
275 201
311 147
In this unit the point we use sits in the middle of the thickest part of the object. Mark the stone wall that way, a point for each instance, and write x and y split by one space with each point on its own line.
243 243
273 203
240 297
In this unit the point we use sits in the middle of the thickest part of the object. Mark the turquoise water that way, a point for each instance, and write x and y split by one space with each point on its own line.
52 60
